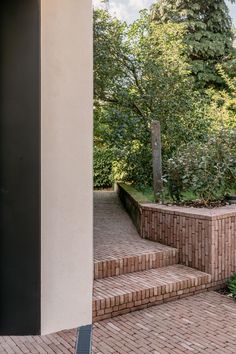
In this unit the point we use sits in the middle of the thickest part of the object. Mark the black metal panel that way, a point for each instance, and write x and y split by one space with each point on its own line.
19 167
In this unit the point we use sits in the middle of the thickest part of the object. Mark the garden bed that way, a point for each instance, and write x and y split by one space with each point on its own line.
206 238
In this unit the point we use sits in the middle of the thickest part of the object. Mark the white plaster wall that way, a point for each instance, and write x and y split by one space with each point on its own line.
66 160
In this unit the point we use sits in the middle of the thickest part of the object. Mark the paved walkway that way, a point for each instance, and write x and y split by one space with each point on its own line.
115 236
118 248
204 323
58 343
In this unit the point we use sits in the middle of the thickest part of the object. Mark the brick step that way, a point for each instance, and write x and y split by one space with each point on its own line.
124 262
135 291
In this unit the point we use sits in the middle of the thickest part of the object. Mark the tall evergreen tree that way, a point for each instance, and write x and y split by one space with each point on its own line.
209 35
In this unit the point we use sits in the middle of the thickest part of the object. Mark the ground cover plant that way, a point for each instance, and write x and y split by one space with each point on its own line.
232 286
178 69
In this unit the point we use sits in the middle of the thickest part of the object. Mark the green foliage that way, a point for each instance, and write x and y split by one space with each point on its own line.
232 286
109 51
206 166
209 35
137 195
222 108
207 169
141 74
134 164
102 164
146 194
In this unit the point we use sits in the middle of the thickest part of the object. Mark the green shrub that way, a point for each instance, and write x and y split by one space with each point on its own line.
207 169
133 164
137 195
102 167
232 286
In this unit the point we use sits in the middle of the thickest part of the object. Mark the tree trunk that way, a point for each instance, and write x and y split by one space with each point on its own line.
156 159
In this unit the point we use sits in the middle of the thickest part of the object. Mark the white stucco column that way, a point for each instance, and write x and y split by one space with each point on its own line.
66 164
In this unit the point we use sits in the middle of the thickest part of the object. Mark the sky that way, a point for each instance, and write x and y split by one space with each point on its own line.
128 9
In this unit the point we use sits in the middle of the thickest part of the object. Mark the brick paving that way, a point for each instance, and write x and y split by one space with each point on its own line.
58 343
134 291
203 323
115 236
132 273
118 248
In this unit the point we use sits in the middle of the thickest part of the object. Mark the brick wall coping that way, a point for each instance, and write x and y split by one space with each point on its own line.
202 213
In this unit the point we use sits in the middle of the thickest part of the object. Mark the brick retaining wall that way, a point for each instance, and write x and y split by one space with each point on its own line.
205 238
131 205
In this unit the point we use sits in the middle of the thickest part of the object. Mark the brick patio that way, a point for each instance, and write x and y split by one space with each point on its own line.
135 291
58 343
118 248
204 323
132 274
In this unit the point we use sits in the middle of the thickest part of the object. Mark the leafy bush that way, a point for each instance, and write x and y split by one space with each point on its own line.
222 107
174 178
102 165
207 169
208 41
142 73
134 164
232 286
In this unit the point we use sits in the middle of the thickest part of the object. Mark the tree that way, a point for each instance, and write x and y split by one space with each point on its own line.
141 75
209 35
222 107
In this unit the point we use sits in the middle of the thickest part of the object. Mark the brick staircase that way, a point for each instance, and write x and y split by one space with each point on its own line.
140 281
123 262
131 273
